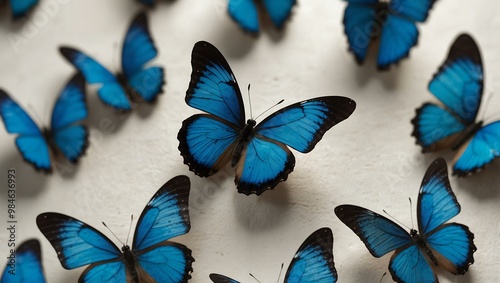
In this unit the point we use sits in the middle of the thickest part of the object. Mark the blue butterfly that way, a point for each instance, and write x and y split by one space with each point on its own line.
259 153
313 262
245 12
65 134
21 7
418 253
149 3
393 22
459 86
27 266
152 258
136 81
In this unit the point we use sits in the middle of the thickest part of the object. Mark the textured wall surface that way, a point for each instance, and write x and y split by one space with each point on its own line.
370 159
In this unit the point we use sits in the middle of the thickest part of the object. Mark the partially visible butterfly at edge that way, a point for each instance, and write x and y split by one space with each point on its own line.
313 262
418 253
258 152
458 84
246 12
152 258
136 82
393 23
65 135
21 8
26 265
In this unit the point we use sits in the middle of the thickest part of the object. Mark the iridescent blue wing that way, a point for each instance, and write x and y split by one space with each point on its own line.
166 262
453 246
279 10
165 216
213 87
411 9
110 90
436 201
245 14
28 265
217 278
436 128
379 234
30 140
138 50
76 243
21 7
479 151
108 271
410 265
399 35
70 108
303 124
313 262
459 81
206 143
360 25
263 164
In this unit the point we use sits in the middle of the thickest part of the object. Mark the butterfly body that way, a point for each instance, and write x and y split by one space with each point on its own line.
418 253
257 151
151 258
66 135
458 85
136 81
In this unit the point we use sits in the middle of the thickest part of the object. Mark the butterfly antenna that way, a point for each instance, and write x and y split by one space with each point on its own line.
250 101
254 277
112 233
279 276
486 104
411 214
399 222
281 101
39 121
129 228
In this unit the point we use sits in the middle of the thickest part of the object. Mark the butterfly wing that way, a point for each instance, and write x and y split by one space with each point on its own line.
313 262
245 14
110 90
28 266
360 25
266 160
410 265
459 81
279 10
21 7
76 243
452 244
71 108
149 3
30 140
379 234
206 141
165 216
217 278
479 151
138 50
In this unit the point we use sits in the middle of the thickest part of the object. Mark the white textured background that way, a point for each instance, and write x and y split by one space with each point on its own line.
369 159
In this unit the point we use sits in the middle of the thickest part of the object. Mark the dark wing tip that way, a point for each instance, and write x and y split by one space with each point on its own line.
3 95
416 132
30 245
140 19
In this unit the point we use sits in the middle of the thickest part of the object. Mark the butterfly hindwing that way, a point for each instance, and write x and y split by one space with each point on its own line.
410 265
359 25
28 264
246 13
149 3
313 261
279 10
21 7
379 234
398 36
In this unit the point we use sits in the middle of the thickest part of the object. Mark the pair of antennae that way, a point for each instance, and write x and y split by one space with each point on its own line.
401 223
279 276
128 234
250 104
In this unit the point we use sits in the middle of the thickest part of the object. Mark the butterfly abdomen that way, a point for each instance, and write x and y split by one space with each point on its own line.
243 139
49 138
422 244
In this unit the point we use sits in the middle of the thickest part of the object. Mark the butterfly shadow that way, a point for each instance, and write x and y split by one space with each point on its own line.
235 42
465 278
104 118
484 184
266 211
29 182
